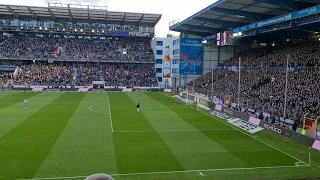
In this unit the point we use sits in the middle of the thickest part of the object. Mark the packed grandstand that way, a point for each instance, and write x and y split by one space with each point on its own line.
262 82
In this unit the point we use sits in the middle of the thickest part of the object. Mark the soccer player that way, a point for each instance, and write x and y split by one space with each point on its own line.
138 107
25 103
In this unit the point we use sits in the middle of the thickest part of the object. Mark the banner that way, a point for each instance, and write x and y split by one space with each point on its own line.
166 65
276 129
37 89
98 82
83 90
254 121
316 145
306 12
275 20
191 56
291 68
127 90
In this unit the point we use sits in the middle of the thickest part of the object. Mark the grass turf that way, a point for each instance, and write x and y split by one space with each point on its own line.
70 135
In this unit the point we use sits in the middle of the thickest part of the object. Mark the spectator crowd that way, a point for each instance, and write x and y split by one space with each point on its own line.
81 48
116 75
264 91
83 75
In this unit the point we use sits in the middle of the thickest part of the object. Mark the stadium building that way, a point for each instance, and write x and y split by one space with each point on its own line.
255 56
236 96
78 37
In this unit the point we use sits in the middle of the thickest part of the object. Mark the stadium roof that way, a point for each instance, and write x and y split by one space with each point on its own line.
77 13
225 14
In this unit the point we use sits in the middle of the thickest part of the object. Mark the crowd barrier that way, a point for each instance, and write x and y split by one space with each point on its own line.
82 89
225 111
308 141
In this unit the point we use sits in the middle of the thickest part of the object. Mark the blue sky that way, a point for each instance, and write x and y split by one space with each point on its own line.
170 9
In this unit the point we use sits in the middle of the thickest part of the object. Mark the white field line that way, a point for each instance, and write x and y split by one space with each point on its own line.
168 108
245 133
91 109
175 130
110 114
172 172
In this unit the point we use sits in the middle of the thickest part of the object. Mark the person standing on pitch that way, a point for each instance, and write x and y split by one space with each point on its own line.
25 102
138 107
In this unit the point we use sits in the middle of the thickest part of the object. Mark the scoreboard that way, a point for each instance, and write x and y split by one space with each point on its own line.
225 38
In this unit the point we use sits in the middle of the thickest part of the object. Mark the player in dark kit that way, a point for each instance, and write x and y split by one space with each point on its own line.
138 107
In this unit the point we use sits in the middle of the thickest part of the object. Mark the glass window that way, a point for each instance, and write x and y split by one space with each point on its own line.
158 61
158 70
158 52
159 43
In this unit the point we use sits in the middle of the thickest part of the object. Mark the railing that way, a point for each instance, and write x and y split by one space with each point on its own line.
272 68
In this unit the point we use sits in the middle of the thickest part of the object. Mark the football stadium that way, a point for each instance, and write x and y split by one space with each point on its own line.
91 93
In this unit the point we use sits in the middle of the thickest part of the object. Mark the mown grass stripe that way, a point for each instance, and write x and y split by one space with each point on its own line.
140 152
86 144
24 148
187 146
12 116
14 98
4 94
249 150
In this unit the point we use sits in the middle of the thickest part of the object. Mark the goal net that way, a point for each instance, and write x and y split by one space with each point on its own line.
199 101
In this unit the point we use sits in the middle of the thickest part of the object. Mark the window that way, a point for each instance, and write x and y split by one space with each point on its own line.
160 79
158 70
176 51
158 61
175 61
159 43
158 52
174 70
174 42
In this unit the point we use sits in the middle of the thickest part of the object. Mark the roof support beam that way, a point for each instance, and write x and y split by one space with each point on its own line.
51 14
193 32
225 24
70 14
244 14
140 20
124 17
193 27
12 12
282 3
89 14
32 13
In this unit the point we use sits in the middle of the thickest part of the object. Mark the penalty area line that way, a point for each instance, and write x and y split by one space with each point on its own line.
167 108
110 114
172 172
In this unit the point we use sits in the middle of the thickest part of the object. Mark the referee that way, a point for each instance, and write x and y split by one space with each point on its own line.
138 107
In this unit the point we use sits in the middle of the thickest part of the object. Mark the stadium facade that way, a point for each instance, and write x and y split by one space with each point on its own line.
82 36
228 27
271 42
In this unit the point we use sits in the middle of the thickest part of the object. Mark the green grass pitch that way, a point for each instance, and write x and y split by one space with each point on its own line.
73 135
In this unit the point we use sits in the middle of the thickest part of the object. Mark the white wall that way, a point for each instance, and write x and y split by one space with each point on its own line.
166 42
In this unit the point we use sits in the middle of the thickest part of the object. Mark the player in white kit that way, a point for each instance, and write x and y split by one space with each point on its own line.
25 102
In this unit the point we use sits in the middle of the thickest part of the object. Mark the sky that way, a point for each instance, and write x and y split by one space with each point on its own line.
170 9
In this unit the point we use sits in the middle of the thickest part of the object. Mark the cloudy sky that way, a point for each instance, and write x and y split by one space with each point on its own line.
170 9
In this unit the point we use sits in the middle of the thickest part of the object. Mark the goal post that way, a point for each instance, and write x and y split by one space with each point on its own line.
203 103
